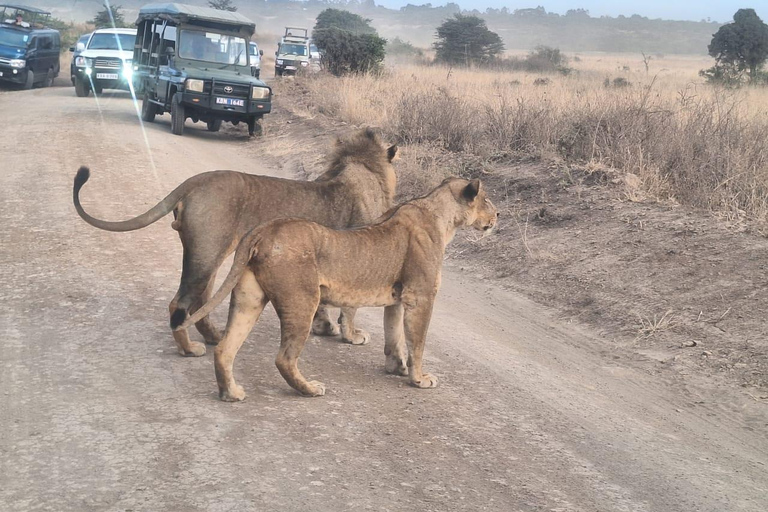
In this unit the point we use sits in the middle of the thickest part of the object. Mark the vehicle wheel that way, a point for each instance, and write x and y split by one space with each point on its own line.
214 126
98 89
81 88
258 72
278 72
48 78
255 127
148 109
30 80
178 116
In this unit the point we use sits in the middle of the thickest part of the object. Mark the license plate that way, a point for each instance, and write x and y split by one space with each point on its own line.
106 76
230 101
290 68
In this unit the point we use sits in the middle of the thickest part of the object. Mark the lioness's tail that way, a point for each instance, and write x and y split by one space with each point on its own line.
156 213
246 250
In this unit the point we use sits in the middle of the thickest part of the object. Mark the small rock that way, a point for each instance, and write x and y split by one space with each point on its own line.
706 353
691 343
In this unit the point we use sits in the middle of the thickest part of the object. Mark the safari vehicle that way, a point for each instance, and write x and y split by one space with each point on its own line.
256 54
292 51
194 63
29 51
105 62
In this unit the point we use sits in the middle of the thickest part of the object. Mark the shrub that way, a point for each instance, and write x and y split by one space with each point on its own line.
348 43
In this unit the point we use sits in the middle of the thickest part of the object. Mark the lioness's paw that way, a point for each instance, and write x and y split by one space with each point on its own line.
315 388
235 394
214 339
396 365
325 328
427 381
358 337
196 349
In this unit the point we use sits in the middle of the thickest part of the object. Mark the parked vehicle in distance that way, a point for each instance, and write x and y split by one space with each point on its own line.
256 54
292 51
29 51
106 61
76 51
194 63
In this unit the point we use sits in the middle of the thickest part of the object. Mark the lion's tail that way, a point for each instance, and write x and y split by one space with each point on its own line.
154 214
246 250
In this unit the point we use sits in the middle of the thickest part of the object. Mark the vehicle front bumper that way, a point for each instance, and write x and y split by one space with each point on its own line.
13 75
107 78
206 105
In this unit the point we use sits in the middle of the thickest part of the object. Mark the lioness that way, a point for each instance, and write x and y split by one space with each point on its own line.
214 210
298 265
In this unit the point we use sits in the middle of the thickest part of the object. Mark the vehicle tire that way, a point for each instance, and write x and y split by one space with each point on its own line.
278 72
148 109
48 78
81 88
98 89
30 80
258 72
255 127
214 126
178 116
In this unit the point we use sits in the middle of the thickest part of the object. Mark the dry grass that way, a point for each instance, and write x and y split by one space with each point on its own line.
682 139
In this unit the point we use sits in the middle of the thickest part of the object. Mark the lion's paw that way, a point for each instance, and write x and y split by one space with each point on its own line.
235 394
325 328
359 337
396 365
316 388
214 338
427 381
196 349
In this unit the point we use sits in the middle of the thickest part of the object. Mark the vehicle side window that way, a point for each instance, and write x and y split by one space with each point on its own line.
45 43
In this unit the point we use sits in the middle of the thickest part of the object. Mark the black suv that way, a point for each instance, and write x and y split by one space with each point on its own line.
194 63
29 52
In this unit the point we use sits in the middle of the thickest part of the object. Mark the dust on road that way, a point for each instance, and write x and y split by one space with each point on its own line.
98 412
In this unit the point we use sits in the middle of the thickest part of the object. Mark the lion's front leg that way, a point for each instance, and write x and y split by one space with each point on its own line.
416 319
395 349
322 325
349 333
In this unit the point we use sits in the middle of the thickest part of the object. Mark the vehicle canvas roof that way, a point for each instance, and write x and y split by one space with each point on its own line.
23 8
181 13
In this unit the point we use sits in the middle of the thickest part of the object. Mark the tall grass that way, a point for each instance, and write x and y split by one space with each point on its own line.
684 140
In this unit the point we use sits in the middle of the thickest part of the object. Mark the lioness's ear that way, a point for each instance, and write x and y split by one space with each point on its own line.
391 152
370 133
470 191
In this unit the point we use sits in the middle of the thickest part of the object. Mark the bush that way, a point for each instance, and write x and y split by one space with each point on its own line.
398 47
543 59
348 43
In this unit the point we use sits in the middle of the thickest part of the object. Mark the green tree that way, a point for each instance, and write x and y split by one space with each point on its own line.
741 45
111 16
222 5
466 40
348 43
344 20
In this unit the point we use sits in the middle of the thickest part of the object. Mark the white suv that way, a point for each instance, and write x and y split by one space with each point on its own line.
106 61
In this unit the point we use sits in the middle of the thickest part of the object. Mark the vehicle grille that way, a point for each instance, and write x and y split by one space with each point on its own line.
289 62
5 61
238 90
108 63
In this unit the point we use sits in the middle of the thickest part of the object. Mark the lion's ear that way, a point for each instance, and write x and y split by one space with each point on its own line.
470 191
391 152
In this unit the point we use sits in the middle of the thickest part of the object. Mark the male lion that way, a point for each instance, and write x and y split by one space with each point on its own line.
214 210
297 265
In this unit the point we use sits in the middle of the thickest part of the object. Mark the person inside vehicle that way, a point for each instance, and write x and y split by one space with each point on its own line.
20 21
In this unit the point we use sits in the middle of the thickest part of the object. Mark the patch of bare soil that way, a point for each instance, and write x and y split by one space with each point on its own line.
683 289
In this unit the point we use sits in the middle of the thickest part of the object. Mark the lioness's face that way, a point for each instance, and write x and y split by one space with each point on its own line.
482 214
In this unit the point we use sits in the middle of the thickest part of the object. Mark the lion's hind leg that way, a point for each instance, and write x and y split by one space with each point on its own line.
295 324
245 308
395 348
350 333
322 325
205 326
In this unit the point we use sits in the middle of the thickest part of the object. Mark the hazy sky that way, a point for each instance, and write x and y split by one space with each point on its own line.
722 10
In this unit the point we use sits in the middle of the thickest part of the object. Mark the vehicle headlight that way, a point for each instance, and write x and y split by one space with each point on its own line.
260 93
304 63
18 63
127 69
279 62
195 85
80 61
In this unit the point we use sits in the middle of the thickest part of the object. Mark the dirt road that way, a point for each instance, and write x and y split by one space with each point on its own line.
98 412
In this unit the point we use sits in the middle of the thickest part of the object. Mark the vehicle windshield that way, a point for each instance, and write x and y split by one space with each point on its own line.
13 38
212 47
293 49
112 42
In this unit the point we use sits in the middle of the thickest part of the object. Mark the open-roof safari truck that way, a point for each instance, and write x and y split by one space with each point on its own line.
194 63
29 50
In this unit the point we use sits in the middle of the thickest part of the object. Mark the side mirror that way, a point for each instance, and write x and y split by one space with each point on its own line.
261 53
72 48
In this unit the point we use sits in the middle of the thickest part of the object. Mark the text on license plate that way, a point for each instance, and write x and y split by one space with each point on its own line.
106 76
230 101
